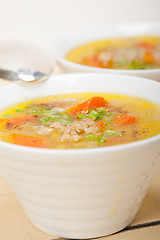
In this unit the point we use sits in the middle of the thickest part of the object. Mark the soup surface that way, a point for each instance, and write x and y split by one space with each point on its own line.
81 120
142 52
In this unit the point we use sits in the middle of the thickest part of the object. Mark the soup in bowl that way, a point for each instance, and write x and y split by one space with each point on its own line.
80 120
124 49
89 190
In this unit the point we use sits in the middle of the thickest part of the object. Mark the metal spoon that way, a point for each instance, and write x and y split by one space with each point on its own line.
24 62
23 75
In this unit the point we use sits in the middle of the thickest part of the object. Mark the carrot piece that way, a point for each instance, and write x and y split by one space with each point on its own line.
10 123
30 141
125 119
91 61
94 62
148 57
146 45
3 121
96 102
100 124
92 103
106 64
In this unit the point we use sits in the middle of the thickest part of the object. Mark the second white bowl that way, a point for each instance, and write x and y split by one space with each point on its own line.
73 40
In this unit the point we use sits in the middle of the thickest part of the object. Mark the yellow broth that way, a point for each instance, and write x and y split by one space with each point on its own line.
141 52
49 122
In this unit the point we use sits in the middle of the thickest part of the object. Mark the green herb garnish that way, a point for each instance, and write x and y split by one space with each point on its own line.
18 110
54 118
44 120
111 133
7 115
90 137
49 112
93 114
108 120
137 65
81 116
108 113
102 109
64 121
101 139
36 111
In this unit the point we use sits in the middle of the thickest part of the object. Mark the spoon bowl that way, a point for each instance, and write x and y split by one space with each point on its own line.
23 75
24 62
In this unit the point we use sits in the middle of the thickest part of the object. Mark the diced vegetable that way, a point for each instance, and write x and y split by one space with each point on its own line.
44 120
50 119
7 116
106 64
58 117
108 114
93 114
148 57
125 119
101 109
91 61
54 117
30 141
36 111
137 65
49 112
92 103
108 120
101 112
146 45
81 116
64 121
100 124
101 139
90 137
13 122
111 133
18 110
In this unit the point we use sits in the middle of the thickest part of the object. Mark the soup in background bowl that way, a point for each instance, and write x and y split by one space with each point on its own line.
131 48
131 53
86 192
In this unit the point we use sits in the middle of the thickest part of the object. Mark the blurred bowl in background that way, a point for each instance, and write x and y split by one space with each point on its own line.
78 38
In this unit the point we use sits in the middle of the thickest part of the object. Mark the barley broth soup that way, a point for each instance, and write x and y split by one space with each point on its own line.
141 52
80 120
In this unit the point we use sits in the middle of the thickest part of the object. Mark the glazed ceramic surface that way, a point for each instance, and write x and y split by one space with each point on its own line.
81 193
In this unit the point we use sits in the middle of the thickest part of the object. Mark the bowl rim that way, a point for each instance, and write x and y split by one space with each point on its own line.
69 151
60 58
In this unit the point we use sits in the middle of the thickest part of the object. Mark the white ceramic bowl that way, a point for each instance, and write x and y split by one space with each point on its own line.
81 193
69 42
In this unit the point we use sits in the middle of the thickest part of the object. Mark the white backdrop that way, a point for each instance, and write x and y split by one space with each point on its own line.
43 21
